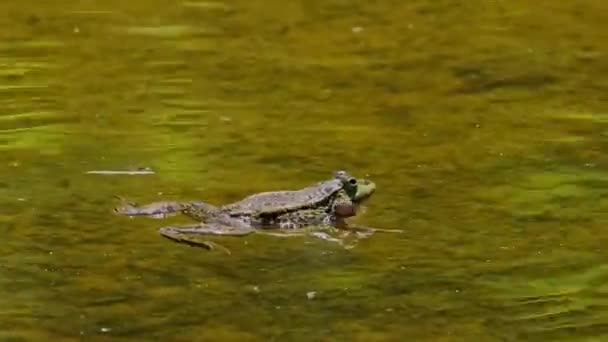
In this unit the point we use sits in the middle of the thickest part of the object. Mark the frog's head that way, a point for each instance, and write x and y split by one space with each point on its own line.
365 189
358 190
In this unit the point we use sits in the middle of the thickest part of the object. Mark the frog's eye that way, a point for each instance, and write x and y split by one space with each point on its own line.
352 181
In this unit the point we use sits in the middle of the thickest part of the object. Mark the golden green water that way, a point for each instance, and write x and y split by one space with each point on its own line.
483 123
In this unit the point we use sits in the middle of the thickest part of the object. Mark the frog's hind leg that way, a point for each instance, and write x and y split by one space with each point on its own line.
187 234
201 211
160 209
207 229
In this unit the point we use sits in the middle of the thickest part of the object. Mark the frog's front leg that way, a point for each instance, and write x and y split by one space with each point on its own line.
326 236
282 233
365 229
343 206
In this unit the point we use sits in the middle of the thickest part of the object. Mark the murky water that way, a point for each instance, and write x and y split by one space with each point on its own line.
484 125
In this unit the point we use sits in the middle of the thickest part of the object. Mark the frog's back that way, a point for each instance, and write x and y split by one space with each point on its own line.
283 201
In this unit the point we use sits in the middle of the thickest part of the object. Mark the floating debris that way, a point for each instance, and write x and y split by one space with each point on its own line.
140 171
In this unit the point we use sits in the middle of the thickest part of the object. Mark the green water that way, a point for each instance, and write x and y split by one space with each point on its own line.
483 123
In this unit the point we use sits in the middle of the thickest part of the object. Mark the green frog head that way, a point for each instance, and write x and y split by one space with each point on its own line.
358 190
365 189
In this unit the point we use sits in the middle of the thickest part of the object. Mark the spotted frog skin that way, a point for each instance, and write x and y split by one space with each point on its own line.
325 204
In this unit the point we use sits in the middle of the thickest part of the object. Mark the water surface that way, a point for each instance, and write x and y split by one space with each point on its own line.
483 123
